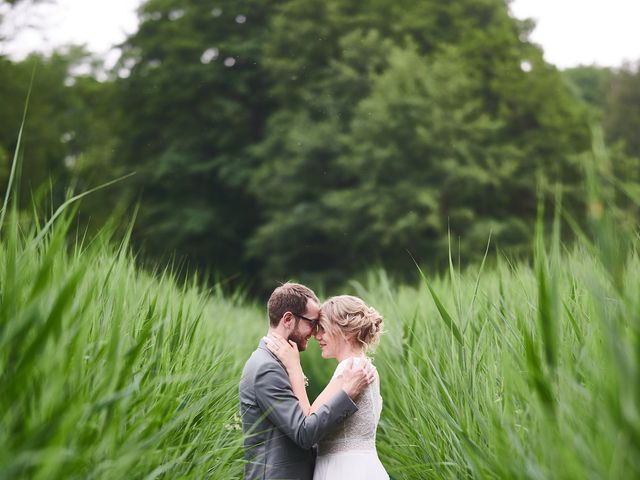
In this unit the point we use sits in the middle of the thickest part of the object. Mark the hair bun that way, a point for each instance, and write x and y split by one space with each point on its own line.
372 328
355 319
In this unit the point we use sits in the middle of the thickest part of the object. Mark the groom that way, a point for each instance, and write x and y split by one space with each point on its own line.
278 437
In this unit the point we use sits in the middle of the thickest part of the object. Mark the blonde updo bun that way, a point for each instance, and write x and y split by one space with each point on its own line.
351 317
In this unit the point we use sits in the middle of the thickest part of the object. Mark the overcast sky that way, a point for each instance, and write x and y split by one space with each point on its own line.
572 32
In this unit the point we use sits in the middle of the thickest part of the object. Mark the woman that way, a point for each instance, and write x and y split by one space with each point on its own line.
347 329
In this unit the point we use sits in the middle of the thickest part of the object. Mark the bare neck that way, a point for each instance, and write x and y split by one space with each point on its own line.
349 351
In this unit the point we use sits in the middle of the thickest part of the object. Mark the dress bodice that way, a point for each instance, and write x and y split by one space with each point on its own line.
357 432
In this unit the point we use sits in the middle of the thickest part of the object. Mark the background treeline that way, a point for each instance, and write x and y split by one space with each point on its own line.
312 139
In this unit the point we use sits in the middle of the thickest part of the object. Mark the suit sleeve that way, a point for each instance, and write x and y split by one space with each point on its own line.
275 397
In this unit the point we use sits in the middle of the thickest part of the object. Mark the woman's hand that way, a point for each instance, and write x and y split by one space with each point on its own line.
286 351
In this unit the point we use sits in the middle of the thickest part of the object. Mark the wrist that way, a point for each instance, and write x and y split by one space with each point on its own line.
349 389
295 370
351 393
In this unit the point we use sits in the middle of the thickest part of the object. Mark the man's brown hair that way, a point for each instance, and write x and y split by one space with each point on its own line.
289 297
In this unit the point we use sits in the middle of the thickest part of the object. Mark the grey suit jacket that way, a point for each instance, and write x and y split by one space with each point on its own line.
278 436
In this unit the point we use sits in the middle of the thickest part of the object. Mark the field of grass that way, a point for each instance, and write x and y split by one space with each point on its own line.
514 371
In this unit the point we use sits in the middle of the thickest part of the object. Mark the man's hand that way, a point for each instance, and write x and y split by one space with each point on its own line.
355 378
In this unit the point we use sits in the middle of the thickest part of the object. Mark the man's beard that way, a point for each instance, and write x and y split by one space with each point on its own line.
298 339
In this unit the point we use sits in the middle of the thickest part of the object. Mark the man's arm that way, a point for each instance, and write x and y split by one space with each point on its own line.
275 397
353 380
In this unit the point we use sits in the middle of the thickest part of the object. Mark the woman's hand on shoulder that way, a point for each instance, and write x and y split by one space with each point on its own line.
286 351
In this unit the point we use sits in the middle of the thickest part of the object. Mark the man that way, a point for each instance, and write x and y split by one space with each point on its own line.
278 436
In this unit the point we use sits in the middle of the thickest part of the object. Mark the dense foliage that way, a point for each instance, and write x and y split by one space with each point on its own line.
314 139
612 96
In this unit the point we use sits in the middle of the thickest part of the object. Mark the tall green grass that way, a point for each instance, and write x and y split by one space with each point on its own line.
108 372
497 401
523 371
517 371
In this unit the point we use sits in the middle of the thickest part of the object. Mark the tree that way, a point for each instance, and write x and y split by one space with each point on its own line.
47 124
195 101
622 111
410 119
308 139
591 84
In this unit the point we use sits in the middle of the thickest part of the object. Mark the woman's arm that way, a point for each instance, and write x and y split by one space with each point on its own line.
287 353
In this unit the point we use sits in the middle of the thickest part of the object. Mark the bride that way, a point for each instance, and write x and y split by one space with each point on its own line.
347 328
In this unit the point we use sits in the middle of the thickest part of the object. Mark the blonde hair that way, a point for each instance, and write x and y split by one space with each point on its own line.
351 317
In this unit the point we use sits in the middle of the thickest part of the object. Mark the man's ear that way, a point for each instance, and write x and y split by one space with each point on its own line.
287 320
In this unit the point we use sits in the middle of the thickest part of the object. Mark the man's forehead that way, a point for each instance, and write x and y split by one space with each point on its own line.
313 307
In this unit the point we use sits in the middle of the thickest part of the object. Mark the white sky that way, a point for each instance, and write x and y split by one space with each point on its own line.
572 32
100 24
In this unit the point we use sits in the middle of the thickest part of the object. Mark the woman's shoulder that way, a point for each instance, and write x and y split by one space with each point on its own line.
344 363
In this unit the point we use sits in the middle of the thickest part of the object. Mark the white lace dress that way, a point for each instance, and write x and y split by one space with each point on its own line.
349 452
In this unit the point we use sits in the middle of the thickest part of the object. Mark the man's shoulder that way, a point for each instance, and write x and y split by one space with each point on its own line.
259 361
261 368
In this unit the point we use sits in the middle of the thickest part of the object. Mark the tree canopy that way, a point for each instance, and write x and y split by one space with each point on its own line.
313 139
